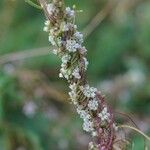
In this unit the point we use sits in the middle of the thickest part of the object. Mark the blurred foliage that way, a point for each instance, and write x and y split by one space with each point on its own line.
34 114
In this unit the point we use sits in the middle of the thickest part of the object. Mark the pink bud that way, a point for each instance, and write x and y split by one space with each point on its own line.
103 148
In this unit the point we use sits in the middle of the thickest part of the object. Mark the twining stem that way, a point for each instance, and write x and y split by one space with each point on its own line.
135 129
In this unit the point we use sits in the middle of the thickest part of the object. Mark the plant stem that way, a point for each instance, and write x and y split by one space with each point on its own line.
33 4
135 129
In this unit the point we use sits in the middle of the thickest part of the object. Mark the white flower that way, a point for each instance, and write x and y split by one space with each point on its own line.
51 40
91 146
68 26
65 73
105 110
104 115
76 73
70 12
83 113
55 51
79 37
89 92
72 45
94 133
46 29
60 75
73 86
73 97
47 23
88 125
93 104
73 94
64 65
65 58
59 42
52 30
51 8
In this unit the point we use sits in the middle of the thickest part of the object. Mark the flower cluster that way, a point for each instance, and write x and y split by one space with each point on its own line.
73 93
89 91
51 8
69 12
84 114
68 43
93 104
63 71
104 115
72 45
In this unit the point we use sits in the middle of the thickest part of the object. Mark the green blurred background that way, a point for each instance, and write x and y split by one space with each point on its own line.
35 113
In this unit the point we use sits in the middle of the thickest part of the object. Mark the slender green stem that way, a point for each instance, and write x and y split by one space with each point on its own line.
135 129
33 4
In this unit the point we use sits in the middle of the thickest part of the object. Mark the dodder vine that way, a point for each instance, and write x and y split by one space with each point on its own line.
90 104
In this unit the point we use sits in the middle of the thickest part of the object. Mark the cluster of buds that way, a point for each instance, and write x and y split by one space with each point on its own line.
89 102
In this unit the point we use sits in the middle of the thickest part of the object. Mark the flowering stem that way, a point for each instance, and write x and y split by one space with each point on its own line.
97 117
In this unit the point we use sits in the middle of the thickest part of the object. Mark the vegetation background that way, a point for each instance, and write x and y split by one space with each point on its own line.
35 113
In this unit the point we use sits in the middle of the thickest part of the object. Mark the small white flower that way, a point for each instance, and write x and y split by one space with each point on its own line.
51 40
65 58
51 8
46 29
70 12
94 133
72 45
89 92
59 42
76 73
52 31
60 75
91 146
66 76
64 65
79 109
73 97
105 110
104 115
73 94
73 86
55 51
88 125
68 26
83 113
93 104
79 37
47 23
65 73
75 26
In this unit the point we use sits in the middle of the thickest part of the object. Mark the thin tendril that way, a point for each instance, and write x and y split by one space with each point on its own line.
135 129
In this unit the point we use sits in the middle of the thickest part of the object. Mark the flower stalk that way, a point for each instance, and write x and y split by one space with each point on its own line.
98 119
